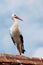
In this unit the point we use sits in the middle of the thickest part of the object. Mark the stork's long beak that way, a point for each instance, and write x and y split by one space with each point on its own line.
18 18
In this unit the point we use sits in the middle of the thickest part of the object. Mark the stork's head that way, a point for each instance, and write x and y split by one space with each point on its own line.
15 17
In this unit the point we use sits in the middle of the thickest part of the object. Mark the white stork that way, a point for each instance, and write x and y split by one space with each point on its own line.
16 35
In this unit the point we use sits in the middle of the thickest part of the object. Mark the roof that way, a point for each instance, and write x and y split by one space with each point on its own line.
8 59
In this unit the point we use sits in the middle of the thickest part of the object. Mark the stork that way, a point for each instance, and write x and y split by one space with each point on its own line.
16 35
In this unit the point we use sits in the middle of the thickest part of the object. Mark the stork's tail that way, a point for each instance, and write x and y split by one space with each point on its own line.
23 51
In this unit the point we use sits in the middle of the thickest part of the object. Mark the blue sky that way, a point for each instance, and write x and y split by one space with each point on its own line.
31 11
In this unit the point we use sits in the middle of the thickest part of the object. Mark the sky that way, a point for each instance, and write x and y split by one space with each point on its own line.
31 11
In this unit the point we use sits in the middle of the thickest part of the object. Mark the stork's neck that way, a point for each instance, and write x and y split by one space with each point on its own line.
15 26
15 23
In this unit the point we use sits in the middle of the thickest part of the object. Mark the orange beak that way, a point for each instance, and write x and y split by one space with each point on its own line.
18 18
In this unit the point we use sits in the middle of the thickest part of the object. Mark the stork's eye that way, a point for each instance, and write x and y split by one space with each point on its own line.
15 15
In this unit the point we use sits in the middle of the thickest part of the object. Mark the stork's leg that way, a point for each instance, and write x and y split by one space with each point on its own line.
20 46
20 53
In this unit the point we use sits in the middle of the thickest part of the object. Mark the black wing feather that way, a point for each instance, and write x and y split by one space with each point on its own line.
21 37
13 40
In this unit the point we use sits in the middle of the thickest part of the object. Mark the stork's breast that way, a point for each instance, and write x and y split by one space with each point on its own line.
14 32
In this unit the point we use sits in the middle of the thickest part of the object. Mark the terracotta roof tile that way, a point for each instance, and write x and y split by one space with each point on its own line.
19 59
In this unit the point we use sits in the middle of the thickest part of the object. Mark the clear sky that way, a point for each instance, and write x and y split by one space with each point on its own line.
31 11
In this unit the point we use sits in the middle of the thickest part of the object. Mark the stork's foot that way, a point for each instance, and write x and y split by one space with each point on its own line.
21 64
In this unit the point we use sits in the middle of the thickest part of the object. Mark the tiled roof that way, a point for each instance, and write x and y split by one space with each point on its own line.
7 59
